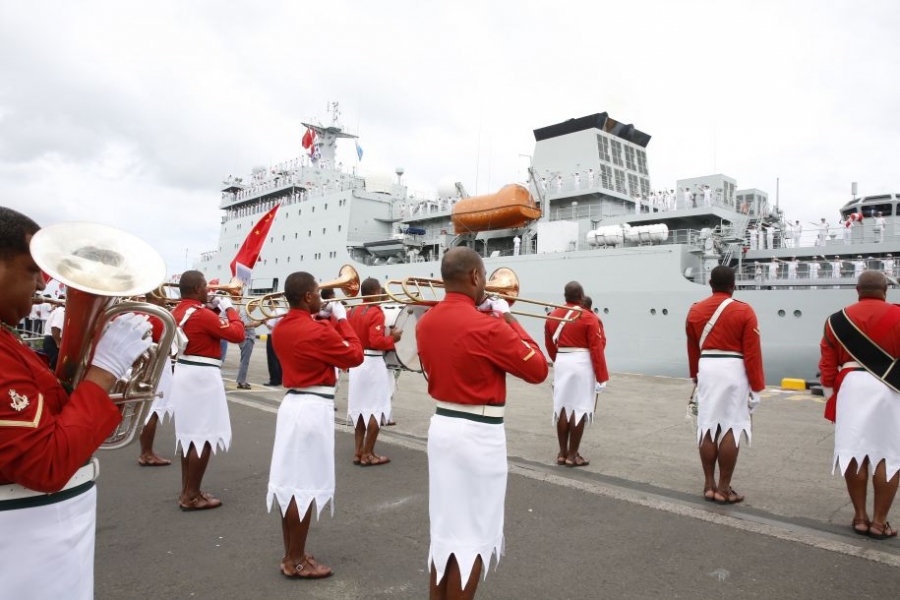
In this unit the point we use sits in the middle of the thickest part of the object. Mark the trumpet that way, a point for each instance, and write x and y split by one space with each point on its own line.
274 305
234 288
503 283
100 265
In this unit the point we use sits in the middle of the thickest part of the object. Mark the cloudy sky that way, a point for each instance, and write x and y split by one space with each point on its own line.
131 113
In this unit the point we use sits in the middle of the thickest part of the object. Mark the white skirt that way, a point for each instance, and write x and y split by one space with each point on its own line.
303 455
59 537
371 388
162 405
573 386
466 490
867 424
722 396
198 397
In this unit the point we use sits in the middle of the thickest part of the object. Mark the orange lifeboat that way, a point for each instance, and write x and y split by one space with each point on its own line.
511 207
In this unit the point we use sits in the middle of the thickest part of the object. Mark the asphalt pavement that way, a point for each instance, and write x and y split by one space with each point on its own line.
630 525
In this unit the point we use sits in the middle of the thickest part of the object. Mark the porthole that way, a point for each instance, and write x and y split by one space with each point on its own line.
596 311
798 314
665 311
605 311
652 311
781 313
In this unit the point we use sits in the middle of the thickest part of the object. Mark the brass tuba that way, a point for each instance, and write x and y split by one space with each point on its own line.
99 265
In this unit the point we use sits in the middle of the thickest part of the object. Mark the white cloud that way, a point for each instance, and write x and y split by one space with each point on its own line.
131 113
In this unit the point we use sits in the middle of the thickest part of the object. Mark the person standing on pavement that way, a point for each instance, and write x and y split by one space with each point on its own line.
162 403
725 362
272 362
202 424
466 354
371 384
48 499
302 468
579 371
859 345
246 348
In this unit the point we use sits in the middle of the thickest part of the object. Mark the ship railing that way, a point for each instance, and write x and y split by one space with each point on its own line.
810 237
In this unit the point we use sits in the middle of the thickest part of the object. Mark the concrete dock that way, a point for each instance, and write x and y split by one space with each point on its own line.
632 524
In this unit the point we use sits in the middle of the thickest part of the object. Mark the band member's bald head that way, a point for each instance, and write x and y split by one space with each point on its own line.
301 290
721 279
191 283
872 284
573 292
463 272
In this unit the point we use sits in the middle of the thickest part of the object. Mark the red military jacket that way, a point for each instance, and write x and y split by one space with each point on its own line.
585 332
872 317
45 434
735 331
367 321
466 353
310 349
206 330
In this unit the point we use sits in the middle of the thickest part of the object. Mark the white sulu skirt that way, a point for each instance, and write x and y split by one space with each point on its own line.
574 386
302 466
162 405
868 419
723 393
59 537
198 397
369 395
467 473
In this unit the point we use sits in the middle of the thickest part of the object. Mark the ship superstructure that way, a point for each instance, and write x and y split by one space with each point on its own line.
588 212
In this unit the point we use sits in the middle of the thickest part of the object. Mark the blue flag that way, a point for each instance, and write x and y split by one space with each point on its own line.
358 150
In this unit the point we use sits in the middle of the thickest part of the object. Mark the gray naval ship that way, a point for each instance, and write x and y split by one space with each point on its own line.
588 213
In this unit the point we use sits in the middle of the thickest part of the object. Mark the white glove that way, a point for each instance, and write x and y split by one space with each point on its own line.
497 305
338 311
754 401
124 340
599 387
828 392
223 303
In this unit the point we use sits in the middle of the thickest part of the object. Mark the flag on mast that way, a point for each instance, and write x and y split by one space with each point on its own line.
245 260
308 140
358 151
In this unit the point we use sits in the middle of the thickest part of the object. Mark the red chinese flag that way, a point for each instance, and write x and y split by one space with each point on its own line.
308 138
247 256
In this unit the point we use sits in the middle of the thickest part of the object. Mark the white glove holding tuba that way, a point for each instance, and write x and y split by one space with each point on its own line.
124 340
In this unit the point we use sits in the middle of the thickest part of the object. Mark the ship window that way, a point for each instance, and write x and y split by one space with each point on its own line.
642 162
629 158
282 238
633 187
314 209
265 261
605 311
603 147
339 227
620 181
271 239
665 311
781 313
652 311
289 259
645 187
798 314
299 212
617 153
309 233
323 231
326 206
276 260
301 257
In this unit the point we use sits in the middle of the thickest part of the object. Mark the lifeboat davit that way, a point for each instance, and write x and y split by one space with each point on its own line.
510 207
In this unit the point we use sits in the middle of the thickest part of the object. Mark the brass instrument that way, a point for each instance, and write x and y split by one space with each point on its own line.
233 288
274 305
503 283
43 300
99 265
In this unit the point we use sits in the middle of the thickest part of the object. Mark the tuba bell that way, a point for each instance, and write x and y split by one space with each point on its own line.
100 265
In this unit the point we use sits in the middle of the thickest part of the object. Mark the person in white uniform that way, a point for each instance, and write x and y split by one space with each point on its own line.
879 227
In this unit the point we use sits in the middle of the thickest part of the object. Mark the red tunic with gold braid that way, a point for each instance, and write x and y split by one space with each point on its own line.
584 332
367 321
45 434
466 353
206 330
310 349
735 331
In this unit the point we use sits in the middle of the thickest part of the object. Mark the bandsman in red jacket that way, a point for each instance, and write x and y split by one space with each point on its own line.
579 371
725 362
302 469
48 502
371 383
162 404
202 424
466 355
866 404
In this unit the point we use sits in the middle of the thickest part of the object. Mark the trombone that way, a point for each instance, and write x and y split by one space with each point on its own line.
274 305
503 283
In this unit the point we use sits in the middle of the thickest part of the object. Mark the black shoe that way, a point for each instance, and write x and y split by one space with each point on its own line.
272 384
